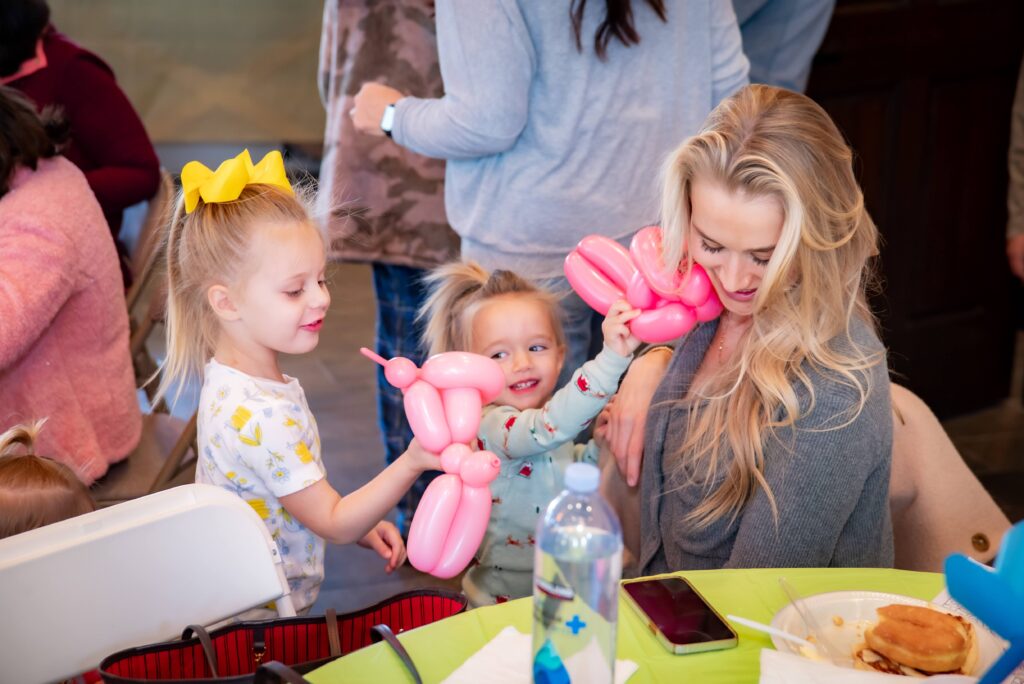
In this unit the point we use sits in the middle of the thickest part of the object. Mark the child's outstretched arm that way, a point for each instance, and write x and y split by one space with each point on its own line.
516 434
346 519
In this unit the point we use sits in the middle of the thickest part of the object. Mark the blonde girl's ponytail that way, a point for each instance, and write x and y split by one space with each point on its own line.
184 351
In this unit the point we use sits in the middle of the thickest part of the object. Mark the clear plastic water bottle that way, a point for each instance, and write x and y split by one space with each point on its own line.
576 573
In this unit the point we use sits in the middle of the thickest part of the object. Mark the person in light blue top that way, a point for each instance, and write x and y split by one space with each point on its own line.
556 118
780 38
530 426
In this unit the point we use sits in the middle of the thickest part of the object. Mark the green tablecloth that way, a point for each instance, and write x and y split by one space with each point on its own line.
440 648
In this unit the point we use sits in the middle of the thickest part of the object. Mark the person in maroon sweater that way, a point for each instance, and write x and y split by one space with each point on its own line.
108 141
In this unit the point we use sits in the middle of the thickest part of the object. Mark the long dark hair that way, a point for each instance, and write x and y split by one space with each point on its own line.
21 24
25 136
618 22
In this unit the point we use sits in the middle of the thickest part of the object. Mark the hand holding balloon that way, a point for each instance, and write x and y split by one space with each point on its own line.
443 402
671 303
615 328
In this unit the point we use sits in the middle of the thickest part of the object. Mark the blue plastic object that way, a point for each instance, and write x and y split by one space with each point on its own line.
548 667
995 596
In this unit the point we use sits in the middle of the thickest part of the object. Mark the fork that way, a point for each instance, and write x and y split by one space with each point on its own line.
810 623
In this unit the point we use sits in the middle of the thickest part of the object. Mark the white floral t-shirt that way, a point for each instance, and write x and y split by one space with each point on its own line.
258 439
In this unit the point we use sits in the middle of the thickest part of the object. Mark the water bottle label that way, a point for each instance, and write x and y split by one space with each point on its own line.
556 588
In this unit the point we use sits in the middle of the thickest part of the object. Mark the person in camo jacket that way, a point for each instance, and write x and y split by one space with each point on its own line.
380 202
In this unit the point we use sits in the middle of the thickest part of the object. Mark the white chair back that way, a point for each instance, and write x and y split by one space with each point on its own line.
76 591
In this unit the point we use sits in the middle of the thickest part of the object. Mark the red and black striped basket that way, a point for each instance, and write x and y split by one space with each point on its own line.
233 653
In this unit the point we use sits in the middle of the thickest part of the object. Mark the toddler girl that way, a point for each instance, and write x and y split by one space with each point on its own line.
530 426
245 278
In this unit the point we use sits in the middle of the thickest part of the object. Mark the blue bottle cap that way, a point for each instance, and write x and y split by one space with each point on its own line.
582 478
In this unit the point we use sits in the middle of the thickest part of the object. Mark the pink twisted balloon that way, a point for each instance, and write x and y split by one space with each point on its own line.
443 402
602 272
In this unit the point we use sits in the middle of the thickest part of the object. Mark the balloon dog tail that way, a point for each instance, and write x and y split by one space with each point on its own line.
373 356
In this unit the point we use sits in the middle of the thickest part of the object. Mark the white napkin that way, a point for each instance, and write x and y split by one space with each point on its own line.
505 659
778 667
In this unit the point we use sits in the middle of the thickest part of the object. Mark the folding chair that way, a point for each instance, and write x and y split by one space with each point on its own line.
167 451
938 506
146 253
79 590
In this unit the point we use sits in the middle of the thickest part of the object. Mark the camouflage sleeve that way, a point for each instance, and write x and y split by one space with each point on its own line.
487 76
520 434
328 48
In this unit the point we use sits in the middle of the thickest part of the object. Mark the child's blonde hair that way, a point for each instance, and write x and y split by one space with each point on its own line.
458 290
35 491
210 246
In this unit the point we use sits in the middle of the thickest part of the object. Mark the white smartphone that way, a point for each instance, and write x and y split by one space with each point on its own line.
678 615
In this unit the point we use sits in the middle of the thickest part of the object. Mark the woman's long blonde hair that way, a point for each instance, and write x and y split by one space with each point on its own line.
35 491
458 290
206 247
769 142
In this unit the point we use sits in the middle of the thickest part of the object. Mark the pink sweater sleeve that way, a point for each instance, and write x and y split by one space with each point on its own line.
33 284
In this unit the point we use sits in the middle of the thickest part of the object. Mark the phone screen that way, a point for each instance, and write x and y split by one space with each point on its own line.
678 611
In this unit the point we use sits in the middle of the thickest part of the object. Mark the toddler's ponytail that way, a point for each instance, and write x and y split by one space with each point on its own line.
458 289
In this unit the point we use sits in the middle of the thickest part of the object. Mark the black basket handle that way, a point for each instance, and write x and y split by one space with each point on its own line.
275 672
333 640
384 632
206 641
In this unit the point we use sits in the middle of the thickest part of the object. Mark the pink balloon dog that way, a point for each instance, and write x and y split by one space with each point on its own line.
603 272
443 402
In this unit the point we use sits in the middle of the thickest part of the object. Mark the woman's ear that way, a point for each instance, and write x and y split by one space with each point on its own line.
220 300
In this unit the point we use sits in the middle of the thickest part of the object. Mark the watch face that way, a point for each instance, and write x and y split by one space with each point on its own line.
388 120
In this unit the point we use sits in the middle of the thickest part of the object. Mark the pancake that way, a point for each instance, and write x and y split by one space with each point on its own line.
917 641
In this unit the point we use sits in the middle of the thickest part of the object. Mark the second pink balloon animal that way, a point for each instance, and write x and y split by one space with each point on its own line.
602 271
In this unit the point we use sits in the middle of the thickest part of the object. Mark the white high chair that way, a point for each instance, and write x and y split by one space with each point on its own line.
76 591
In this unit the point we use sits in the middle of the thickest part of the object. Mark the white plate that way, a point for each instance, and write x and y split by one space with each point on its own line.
856 610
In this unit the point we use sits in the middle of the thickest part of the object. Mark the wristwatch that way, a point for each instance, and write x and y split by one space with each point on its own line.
388 120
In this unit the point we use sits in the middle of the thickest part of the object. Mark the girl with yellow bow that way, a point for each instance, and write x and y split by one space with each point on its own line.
245 272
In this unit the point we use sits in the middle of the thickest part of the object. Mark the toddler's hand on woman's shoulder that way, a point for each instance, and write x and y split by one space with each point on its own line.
616 333
387 542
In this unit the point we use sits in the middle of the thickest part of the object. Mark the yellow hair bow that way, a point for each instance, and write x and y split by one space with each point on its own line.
227 182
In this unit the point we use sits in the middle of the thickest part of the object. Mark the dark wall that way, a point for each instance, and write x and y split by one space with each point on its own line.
923 90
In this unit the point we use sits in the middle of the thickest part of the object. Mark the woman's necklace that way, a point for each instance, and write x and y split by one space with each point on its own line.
724 335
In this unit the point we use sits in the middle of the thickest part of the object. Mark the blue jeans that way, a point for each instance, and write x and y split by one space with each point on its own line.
400 293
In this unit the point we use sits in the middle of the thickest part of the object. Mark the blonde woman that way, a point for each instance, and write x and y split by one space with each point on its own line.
769 438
